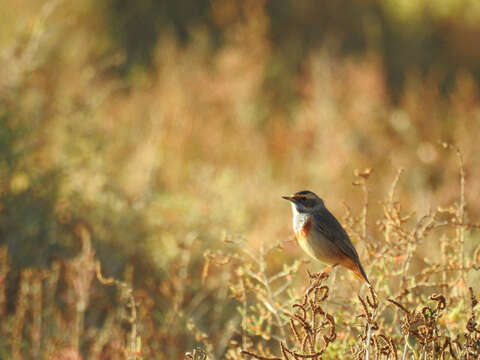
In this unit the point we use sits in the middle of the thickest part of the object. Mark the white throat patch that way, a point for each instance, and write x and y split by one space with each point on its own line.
298 219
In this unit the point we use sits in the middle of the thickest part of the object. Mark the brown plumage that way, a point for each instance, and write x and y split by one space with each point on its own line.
320 235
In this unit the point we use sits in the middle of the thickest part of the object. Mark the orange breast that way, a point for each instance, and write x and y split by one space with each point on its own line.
305 230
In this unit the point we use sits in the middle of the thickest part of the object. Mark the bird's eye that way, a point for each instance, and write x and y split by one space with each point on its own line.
306 202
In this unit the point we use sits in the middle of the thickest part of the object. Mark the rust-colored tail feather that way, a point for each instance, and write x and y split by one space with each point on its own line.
356 268
360 273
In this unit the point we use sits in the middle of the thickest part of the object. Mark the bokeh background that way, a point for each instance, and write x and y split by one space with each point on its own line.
163 126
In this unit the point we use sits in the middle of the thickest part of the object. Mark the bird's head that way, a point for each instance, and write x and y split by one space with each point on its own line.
305 201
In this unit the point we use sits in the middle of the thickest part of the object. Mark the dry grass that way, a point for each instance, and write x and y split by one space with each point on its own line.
433 311
171 180
412 314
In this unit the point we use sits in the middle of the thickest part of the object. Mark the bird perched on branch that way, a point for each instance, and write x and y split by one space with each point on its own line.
320 234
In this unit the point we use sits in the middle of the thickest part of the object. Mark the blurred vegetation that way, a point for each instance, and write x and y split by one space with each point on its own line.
424 36
151 136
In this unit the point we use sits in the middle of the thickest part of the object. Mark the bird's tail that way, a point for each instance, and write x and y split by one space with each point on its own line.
355 266
360 273
357 269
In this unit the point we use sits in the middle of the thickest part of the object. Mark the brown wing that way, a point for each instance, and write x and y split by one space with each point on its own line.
329 226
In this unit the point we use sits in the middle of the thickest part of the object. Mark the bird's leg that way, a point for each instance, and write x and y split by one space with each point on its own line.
322 274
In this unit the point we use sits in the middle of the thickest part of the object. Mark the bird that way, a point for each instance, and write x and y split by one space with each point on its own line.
320 234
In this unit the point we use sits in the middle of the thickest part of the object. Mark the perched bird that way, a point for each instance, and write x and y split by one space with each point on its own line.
320 234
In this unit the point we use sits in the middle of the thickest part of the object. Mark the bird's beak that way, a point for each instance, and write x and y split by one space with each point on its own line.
289 198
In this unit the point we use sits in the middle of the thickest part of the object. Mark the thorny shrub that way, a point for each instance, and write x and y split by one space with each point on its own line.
306 327
408 313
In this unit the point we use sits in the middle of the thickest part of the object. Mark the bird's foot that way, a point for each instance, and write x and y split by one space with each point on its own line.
322 274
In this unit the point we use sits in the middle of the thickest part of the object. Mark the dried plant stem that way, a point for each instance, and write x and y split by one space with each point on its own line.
103 335
367 345
4 269
363 178
36 306
461 212
271 299
20 312
391 201
133 346
404 355
365 210
460 208
244 317
185 258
